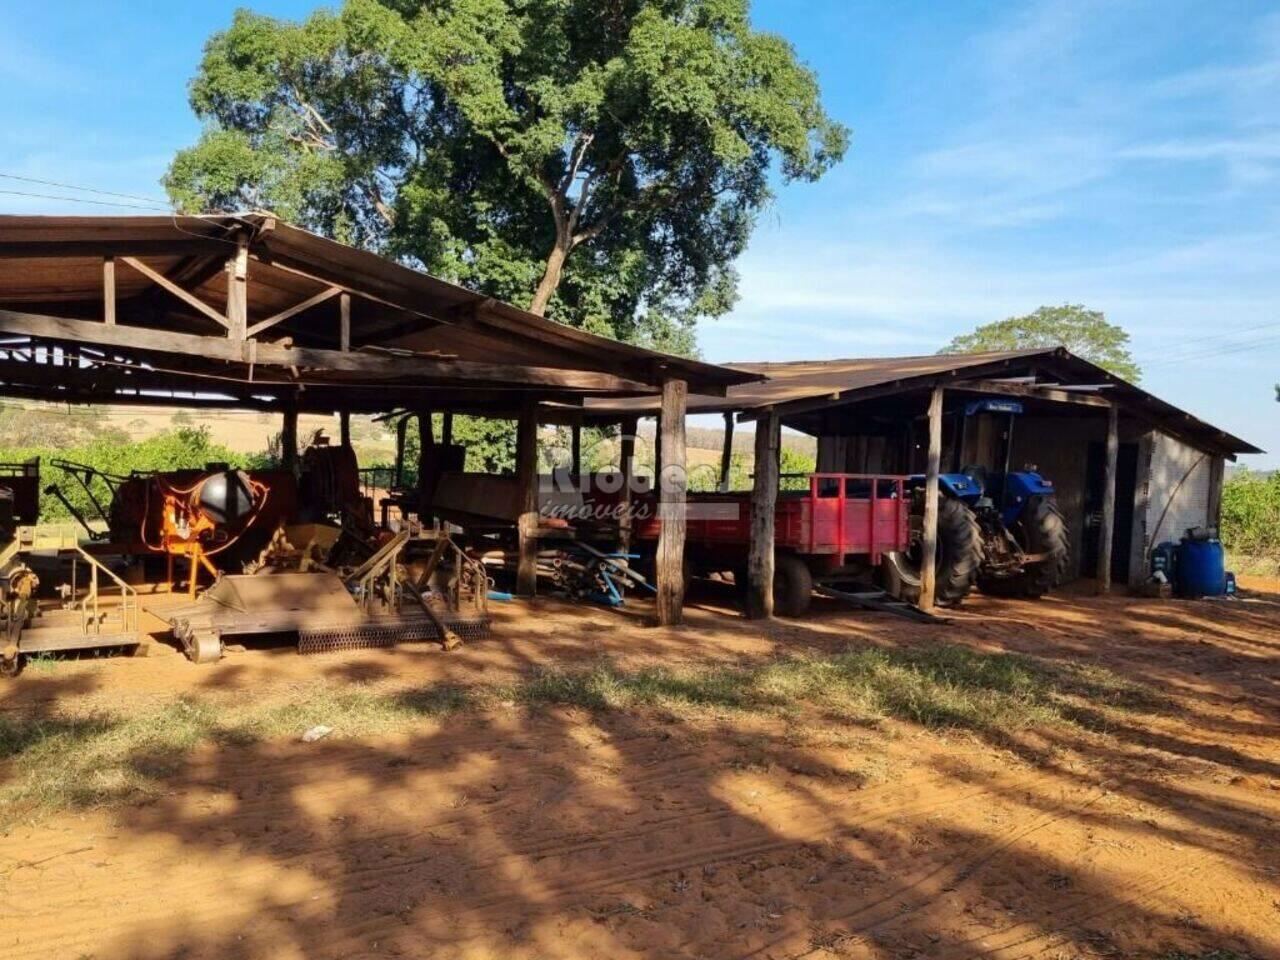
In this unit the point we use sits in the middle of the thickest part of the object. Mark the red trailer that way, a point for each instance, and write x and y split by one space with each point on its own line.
835 528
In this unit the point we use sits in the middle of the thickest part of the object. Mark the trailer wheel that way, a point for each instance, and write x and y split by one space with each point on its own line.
792 586
205 647
1040 529
956 566
11 666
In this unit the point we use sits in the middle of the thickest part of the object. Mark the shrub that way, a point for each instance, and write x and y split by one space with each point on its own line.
1251 514
177 449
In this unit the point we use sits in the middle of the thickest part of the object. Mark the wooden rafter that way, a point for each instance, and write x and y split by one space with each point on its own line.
190 299
293 311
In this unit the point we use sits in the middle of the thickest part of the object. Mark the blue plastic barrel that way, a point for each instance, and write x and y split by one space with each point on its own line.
1202 568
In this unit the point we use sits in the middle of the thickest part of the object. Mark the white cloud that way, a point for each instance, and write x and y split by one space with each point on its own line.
1264 146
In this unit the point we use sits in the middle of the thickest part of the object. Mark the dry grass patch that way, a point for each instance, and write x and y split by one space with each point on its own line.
66 761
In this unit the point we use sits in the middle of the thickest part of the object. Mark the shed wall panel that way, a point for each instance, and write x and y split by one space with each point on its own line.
1178 489
1058 448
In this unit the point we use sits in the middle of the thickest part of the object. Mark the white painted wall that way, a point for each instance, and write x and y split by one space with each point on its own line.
1178 490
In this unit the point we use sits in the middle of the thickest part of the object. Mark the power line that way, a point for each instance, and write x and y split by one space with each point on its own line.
1219 351
1180 346
73 186
96 203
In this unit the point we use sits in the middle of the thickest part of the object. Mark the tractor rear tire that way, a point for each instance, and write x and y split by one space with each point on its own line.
1040 529
956 566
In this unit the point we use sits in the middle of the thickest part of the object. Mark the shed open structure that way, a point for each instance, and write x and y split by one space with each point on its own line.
891 414
249 312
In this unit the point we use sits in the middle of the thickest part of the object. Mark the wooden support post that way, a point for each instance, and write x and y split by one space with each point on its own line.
672 487
402 429
109 291
1217 472
427 461
726 453
527 476
576 449
238 291
764 497
344 322
446 429
1107 532
344 427
289 437
626 456
929 533
657 450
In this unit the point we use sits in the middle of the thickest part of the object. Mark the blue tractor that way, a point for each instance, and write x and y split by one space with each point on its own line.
1001 531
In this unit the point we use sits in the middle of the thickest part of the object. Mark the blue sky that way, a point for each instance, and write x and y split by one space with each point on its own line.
1005 155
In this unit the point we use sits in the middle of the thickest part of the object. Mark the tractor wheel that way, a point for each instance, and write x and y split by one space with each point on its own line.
1040 529
956 567
792 585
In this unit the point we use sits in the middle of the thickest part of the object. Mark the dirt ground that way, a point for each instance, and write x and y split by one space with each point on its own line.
562 833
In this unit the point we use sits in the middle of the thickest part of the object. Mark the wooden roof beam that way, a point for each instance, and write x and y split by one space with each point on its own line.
1030 392
288 356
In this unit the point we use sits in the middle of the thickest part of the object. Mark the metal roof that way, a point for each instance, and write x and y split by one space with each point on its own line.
795 387
52 267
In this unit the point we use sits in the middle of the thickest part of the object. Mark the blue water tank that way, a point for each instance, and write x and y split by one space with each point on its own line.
1202 568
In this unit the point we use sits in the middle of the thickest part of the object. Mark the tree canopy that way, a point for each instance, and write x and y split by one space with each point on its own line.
601 160
1084 332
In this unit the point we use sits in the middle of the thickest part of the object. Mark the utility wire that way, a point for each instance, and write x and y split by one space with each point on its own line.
96 203
1219 351
1180 346
73 186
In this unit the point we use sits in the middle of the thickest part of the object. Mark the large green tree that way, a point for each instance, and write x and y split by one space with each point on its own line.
601 160
1084 332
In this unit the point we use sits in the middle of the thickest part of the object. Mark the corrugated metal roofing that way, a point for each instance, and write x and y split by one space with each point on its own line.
852 380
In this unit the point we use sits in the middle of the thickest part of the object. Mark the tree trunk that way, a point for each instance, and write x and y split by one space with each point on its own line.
550 278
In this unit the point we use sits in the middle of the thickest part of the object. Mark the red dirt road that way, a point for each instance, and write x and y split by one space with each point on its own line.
566 834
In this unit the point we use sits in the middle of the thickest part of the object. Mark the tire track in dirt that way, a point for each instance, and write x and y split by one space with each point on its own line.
929 870
1064 918
266 809
587 884
492 858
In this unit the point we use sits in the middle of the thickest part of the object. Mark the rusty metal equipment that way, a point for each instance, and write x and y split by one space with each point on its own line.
203 519
87 478
377 603
87 618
